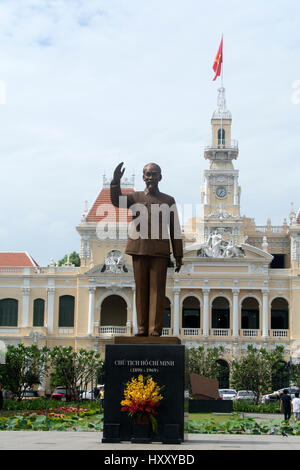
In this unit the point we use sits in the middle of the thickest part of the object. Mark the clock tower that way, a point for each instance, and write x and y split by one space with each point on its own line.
220 195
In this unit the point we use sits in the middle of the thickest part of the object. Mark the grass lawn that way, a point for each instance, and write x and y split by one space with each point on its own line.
218 418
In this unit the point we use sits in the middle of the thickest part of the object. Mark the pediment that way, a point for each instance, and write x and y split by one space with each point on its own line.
102 269
95 271
254 252
243 252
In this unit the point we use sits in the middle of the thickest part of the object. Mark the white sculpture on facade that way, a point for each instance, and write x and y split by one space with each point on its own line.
114 262
217 247
220 214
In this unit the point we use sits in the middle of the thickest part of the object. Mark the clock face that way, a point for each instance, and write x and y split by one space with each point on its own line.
221 191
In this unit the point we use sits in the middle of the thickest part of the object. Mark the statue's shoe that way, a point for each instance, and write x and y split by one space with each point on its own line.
154 333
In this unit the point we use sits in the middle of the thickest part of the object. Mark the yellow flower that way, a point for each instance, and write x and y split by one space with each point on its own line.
141 390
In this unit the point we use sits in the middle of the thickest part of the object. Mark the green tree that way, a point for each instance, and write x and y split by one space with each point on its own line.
295 374
24 367
255 370
74 369
281 375
203 361
74 258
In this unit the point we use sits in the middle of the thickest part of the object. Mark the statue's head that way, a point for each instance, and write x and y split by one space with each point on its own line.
152 175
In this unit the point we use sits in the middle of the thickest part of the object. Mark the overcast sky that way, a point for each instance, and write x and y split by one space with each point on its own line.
90 83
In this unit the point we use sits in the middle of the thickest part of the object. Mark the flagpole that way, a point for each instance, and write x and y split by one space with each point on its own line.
222 65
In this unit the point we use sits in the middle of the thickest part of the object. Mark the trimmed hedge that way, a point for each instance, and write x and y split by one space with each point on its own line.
245 407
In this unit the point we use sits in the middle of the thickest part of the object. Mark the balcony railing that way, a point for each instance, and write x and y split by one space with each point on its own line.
250 333
271 228
280 333
11 269
112 330
166 331
190 331
36 270
221 331
233 145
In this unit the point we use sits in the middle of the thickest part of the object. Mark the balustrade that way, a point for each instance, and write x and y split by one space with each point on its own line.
112 330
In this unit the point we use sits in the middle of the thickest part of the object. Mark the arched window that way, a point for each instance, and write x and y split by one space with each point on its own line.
113 311
220 313
8 312
250 314
279 314
167 313
191 313
38 312
66 311
221 137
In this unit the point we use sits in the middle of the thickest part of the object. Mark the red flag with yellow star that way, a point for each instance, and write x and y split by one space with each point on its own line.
218 60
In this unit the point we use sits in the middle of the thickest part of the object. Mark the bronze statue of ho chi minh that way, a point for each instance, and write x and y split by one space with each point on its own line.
150 247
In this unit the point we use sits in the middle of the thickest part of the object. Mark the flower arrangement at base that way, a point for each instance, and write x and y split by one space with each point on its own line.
142 397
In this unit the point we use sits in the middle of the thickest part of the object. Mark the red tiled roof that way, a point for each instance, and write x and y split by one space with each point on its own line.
298 217
16 259
109 213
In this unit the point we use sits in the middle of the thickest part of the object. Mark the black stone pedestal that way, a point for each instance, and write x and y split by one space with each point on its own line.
165 364
141 434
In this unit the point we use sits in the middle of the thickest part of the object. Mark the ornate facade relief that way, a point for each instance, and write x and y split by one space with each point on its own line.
295 248
258 268
224 231
114 262
85 249
217 247
220 214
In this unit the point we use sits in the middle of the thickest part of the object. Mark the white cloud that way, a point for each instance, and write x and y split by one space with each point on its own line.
93 83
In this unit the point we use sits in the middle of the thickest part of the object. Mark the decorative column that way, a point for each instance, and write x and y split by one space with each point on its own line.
206 190
235 319
25 307
134 315
205 311
92 290
265 312
235 191
50 309
176 291
128 327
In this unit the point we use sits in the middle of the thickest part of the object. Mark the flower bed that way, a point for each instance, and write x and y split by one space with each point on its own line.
62 419
40 404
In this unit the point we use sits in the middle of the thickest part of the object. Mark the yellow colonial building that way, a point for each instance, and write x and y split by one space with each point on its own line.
240 283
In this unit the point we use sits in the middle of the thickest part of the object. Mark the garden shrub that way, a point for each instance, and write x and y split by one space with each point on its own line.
243 406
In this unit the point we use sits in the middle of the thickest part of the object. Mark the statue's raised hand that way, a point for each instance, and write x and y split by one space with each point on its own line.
118 173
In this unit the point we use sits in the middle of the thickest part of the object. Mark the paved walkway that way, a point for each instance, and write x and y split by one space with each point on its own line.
54 440
70 440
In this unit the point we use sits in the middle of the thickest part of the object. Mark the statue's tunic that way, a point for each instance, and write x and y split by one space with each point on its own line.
149 245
